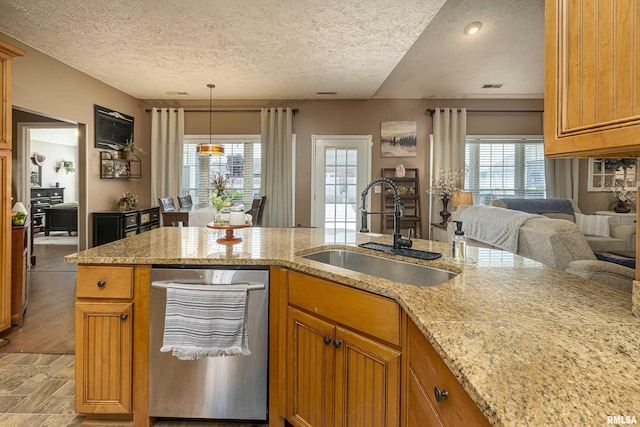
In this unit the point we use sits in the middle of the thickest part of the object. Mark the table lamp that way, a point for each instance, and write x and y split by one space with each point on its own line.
462 198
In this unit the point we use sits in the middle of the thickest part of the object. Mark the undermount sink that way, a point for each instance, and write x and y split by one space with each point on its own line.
390 269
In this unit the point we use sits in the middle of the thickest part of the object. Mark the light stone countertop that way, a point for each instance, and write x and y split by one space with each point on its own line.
531 345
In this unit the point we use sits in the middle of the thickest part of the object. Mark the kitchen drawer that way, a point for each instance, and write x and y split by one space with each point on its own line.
363 311
427 371
131 233
104 282
131 220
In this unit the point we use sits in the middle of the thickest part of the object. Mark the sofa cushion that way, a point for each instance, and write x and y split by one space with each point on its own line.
593 225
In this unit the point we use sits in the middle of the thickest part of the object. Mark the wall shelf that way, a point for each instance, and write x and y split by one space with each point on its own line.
114 166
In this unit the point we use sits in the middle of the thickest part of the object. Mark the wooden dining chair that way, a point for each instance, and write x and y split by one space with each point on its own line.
185 201
256 211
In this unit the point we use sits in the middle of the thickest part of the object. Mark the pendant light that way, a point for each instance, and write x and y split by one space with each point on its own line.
210 149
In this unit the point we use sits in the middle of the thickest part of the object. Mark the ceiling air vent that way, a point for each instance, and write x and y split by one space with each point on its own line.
326 93
492 85
177 93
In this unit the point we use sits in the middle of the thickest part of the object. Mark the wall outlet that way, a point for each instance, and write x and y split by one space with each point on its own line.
377 189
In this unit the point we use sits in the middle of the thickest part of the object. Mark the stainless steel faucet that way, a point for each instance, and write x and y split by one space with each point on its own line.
398 241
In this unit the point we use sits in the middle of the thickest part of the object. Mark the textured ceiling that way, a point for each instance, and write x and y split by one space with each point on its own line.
277 49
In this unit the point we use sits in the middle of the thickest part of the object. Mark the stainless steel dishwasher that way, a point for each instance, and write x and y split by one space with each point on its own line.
219 388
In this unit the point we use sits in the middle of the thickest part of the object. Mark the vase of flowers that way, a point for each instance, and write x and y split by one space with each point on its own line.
447 183
623 199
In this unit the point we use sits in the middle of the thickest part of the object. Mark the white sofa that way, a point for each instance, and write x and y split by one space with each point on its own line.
557 243
622 236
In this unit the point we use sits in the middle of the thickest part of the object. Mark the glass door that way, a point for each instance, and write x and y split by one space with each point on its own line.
341 171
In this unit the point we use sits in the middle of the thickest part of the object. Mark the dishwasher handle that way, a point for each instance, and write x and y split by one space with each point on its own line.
251 285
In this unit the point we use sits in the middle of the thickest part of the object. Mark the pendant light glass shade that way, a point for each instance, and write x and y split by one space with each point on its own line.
210 149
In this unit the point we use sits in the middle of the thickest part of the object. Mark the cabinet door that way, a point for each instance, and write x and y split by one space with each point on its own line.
592 99
310 363
367 382
103 357
5 240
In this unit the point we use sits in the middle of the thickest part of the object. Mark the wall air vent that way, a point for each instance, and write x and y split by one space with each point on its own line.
492 85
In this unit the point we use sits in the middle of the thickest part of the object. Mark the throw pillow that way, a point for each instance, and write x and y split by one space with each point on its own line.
593 225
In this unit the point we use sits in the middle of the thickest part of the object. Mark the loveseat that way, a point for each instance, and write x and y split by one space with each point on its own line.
557 243
602 236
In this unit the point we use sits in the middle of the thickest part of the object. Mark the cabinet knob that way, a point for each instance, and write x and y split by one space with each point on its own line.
327 340
124 316
440 394
337 343
101 283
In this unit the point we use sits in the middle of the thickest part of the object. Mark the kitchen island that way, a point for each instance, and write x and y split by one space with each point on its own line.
529 344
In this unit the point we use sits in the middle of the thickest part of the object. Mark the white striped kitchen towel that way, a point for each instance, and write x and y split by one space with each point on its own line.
206 321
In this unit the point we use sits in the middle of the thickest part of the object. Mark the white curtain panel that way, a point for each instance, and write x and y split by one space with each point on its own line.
167 137
277 166
449 137
562 178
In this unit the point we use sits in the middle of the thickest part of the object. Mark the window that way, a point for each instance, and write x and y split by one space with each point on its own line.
240 164
504 167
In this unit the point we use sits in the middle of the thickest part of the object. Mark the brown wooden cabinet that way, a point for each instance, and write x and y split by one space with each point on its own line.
434 395
343 355
7 53
112 343
592 96
103 357
19 258
104 339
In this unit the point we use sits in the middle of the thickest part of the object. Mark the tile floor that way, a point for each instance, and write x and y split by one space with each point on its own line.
37 390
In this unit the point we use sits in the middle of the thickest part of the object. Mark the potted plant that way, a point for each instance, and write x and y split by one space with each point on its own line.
129 148
68 166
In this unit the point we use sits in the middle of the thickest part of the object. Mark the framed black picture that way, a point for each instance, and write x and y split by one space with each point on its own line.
111 128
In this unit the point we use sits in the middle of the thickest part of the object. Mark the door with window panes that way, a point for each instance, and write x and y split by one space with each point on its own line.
341 171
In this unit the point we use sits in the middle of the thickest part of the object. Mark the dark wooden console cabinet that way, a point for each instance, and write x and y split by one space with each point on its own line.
42 198
109 226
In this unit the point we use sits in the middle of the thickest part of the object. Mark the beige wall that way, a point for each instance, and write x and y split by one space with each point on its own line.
50 88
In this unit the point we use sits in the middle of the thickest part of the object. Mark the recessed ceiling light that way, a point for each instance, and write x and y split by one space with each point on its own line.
472 28
177 93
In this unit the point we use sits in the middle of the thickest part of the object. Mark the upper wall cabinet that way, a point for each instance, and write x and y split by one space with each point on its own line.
7 52
592 78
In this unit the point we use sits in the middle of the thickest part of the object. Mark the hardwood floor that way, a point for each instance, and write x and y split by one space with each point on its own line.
49 320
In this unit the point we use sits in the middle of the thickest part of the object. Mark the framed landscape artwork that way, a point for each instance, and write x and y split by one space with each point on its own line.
398 139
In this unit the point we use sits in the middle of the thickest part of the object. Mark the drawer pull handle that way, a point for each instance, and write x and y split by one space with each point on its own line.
337 343
327 340
440 394
101 283
124 316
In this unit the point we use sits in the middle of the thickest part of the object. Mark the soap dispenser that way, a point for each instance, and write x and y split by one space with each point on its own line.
458 244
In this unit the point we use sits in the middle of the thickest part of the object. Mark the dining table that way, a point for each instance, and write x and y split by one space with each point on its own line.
182 215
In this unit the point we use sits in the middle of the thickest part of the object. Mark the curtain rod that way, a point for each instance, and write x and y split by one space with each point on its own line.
249 110
431 111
